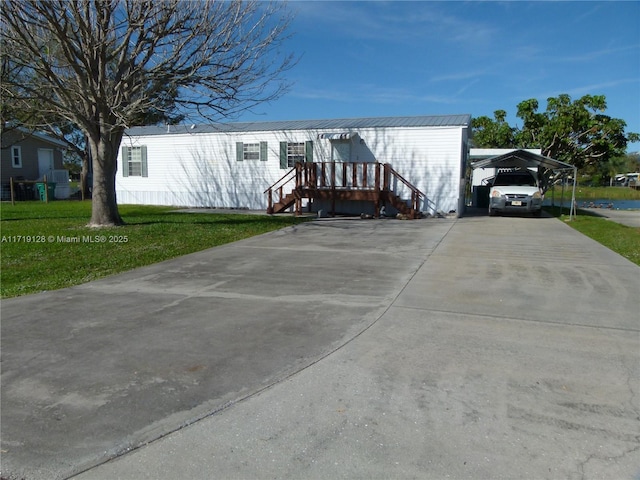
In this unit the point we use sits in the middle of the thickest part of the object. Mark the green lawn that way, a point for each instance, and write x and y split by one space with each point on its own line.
48 246
590 193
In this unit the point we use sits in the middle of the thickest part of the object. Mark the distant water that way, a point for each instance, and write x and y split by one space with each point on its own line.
599 203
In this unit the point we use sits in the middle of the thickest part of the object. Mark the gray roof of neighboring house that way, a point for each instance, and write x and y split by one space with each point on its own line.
344 124
22 134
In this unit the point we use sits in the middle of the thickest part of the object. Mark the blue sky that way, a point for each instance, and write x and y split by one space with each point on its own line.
361 59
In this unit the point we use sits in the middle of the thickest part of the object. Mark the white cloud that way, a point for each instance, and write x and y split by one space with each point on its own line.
463 75
407 22
595 55
592 89
379 95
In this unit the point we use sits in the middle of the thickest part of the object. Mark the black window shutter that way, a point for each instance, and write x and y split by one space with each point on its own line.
308 151
239 152
143 155
125 161
283 155
263 151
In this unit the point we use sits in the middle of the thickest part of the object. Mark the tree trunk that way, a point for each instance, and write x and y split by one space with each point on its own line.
84 176
104 154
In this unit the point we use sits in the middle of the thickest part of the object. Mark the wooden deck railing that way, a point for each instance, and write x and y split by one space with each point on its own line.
316 179
327 175
416 194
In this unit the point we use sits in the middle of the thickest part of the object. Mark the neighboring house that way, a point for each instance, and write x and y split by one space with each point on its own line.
232 165
29 156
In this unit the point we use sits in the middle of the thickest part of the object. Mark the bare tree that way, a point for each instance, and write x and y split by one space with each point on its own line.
106 65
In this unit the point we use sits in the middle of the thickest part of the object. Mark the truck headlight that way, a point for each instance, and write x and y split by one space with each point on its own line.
496 194
537 195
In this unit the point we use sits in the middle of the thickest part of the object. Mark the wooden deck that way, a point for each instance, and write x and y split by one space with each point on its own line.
342 181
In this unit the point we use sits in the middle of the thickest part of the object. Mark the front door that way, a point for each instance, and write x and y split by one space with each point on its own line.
341 150
45 161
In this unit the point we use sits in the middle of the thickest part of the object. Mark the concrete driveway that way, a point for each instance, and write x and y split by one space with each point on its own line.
472 348
630 218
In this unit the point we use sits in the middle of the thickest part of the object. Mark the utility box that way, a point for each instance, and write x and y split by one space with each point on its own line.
51 190
480 198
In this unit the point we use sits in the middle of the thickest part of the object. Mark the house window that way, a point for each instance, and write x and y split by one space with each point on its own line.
134 161
293 152
251 151
16 157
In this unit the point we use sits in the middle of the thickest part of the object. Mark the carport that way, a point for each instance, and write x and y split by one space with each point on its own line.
549 170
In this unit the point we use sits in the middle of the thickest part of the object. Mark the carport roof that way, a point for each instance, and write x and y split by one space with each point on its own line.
522 158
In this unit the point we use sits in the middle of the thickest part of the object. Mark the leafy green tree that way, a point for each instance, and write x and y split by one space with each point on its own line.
531 134
493 133
106 65
576 132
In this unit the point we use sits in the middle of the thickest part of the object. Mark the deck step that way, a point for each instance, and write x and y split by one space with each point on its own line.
286 202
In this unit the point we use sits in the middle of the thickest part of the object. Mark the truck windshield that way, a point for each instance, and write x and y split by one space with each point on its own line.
515 179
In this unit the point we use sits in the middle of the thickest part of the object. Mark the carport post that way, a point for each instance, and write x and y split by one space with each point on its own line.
572 210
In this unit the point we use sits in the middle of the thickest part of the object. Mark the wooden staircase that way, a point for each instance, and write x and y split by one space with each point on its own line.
287 202
333 181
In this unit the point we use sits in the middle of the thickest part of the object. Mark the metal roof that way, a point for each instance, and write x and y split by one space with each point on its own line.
342 124
522 158
25 134
477 154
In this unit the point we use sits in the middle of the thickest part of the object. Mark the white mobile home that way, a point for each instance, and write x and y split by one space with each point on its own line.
234 165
